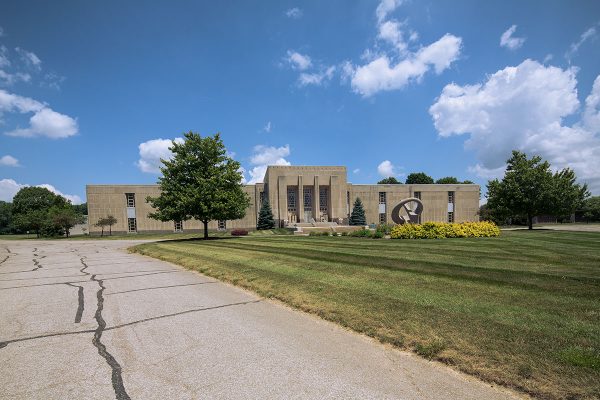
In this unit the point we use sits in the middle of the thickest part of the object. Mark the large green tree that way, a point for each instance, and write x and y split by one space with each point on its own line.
529 188
389 181
30 209
358 213
265 217
6 218
64 218
200 181
591 209
448 180
418 178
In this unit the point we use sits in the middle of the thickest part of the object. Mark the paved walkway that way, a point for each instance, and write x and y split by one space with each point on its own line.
87 320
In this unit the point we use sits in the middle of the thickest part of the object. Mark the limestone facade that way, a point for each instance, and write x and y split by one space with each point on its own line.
297 194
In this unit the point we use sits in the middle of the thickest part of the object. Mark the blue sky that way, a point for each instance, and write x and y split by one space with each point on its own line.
389 87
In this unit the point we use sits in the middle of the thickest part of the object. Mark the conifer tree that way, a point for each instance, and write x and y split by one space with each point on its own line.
265 217
358 213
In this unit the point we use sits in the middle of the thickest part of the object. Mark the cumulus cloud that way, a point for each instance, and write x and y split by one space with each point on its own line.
509 41
9 187
385 7
298 61
392 70
4 60
9 161
383 74
524 108
44 121
585 36
263 156
387 169
356 170
294 13
152 151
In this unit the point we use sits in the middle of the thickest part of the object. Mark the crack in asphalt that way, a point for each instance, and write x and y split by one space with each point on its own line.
80 302
110 328
37 264
6 258
117 376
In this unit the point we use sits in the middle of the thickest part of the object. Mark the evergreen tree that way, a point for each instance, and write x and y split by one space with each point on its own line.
358 213
265 217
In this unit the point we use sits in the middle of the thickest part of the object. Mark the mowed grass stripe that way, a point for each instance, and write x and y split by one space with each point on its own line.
458 270
510 322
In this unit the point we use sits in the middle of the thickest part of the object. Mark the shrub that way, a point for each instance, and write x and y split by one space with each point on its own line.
344 233
385 228
361 233
239 232
377 235
441 230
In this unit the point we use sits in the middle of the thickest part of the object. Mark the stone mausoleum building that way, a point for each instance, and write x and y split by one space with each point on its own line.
299 196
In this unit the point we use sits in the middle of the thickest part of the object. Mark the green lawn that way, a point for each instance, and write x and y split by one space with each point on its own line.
522 310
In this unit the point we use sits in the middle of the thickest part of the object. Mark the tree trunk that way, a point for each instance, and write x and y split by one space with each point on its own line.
67 232
110 230
205 229
102 234
530 221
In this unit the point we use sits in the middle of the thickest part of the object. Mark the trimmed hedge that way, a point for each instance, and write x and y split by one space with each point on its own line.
239 232
441 230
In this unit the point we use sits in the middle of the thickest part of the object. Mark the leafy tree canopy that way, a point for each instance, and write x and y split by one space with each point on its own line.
448 180
529 188
418 178
200 181
389 181
591 209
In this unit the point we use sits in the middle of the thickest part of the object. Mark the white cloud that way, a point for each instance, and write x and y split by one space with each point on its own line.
387 169
44 122
9 187
390 31
152 151
316 78
268 127
523 108
72 197
9 161
356 171
1 32
294 13
381 75
9 79
264 156
574 48
29 58
548 58
385 7
507 40
298 61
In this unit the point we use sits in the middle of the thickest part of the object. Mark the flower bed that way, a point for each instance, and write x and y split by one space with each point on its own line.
441 230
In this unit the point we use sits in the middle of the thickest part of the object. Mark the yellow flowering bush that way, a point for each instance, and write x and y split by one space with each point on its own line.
441 230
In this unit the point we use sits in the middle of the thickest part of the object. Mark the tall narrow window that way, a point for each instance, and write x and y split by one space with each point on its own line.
130 197
418 195
382 197
308 203
131 225
178 226
323 196
222 225
450 216
451 197
382 218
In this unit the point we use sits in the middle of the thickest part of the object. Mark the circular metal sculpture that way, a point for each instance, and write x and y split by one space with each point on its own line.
413 208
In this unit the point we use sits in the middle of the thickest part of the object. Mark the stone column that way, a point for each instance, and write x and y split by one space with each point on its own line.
316 200
282 200
300 201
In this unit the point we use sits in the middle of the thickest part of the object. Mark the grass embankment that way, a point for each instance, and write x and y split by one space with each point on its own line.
521 310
